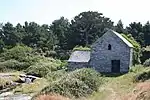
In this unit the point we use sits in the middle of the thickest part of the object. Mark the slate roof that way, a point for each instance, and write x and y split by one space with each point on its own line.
122 38
80 56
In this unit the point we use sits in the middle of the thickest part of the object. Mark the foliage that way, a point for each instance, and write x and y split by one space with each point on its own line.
17 58
70 87
55 75
44 66
80 48
4 83
119 27
20 53
145 54
147 63
35 87
13 65
60 28
136 29
79 83
136 48
143 76
89 76
86 27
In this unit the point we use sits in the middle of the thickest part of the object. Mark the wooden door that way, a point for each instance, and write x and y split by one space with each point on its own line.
115 66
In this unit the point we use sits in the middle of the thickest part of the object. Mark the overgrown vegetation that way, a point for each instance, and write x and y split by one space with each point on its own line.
136 48
147 63
34 87
79 83
44 66
80 48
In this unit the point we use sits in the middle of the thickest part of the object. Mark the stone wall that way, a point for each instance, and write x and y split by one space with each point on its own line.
101 57
77 65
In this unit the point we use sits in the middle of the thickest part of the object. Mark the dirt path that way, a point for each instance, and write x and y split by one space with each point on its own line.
112 94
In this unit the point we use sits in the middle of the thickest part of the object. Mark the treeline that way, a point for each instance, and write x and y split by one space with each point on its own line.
83 30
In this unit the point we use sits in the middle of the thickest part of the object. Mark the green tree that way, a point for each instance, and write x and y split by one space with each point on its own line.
60 28
146 31
119 27
87 27
10 37
136 29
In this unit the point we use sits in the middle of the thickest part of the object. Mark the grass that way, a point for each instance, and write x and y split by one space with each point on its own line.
34 87
118 87
80 48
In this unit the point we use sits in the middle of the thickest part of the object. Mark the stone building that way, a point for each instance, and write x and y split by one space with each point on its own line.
110 53
79 59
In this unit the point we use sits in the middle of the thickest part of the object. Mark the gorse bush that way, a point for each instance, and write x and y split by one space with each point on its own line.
17 58
141 77
147 63
44 66
70 87
55 75
20 53
79 83
13 65
88 76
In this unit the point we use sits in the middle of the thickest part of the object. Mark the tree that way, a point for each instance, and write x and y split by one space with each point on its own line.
119 27
10 37
20 32
87 27
136 29
146 31
60 28
35 35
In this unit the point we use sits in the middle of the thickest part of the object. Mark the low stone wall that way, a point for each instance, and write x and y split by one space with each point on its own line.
77 65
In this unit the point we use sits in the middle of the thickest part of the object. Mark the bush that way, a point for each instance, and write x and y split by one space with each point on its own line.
147 63
79 83
142 76
13 65
80 48
34 87
88 76
44 66
70 87
55 75
145 54
136 48
20 53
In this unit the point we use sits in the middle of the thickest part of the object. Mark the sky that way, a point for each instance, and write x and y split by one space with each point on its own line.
46 11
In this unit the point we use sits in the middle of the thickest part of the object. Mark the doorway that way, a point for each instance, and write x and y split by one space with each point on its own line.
115 66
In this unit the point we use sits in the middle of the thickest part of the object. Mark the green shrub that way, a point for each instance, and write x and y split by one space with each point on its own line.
142 76
70 87
80 48
13 64
89 76
137 69
136 48
145 54
4 83
44 66
147 63
20 53
55 75
35 87
81 82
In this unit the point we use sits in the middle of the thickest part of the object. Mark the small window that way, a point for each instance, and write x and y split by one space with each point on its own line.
109 47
